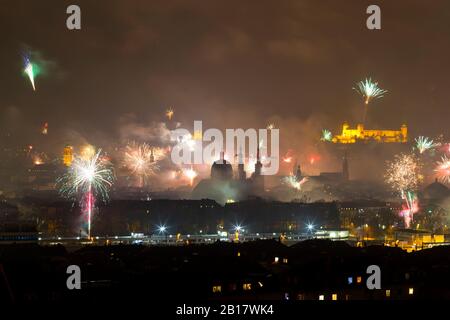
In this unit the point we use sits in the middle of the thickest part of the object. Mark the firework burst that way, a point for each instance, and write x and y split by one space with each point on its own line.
142 160
369 90
326 135
423 144
95 173
404 176
293 182
443 169
191 174
404 173
89 179
187 141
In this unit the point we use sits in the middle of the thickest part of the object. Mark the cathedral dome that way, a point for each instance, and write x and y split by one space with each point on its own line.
221 170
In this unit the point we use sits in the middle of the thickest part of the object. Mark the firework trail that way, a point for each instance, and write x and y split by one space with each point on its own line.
369 90
87 179
30 70
411 207
403 175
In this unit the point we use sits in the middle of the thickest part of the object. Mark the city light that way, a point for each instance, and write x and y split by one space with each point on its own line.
162 229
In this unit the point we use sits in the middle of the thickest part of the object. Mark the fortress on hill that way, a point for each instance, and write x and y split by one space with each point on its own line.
360 134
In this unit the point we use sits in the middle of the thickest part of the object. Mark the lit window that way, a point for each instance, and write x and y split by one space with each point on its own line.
285 260
321 297
358 279
216 289
247 286
388 293
411 291
238 254
334 297
276 259
350 280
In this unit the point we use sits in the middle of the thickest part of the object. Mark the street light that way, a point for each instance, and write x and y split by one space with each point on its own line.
237 229
162 230
310 227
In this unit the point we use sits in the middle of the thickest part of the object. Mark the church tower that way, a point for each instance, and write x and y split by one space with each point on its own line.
298 173
241 172
258 164
257 177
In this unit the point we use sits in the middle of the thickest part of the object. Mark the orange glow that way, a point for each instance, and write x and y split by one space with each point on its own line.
313 159
287 159
45 128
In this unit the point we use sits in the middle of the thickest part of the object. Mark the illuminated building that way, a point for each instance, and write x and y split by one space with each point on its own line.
42 177
349 135
68 156
13 232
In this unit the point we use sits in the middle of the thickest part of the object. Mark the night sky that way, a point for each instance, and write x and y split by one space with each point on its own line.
229 63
